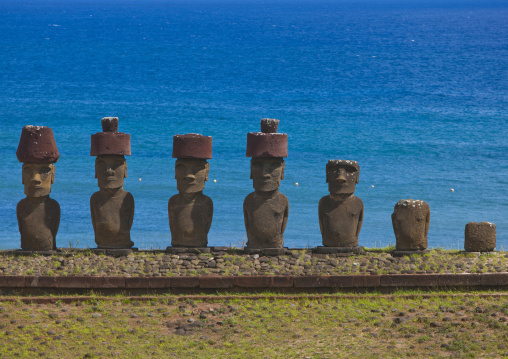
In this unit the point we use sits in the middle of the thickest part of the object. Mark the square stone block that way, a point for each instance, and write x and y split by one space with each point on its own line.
40 281
252 281
12 281
184 282
216 282
107 282
310 281
280 281
73 282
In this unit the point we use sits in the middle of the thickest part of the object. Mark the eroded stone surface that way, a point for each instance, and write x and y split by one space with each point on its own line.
38 215
190 212
266 210
267 143
410 220
110 141
38 221
341 213
37 144
192 145
111 208
480 237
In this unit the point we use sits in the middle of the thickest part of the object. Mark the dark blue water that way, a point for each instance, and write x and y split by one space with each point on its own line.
417 93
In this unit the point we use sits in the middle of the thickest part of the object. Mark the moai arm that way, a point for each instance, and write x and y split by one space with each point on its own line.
427 222
18 216
56 224
320 215
209 218
131 206
285 218
245 215
92 213
170 215
360 222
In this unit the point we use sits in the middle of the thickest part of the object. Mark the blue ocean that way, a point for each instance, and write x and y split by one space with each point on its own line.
415 91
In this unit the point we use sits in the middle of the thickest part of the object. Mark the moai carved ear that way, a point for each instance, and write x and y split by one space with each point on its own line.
328 173
282 170
207 169
251 169
22 177
53 170
125 173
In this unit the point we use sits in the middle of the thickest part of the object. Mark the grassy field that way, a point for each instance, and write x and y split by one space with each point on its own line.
404 324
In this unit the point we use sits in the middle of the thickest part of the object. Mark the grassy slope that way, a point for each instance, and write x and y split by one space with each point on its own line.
364 326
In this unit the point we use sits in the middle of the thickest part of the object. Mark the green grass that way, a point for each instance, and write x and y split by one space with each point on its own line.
267 325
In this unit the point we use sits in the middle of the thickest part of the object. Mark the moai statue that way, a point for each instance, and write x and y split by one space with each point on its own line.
190 211
480 237
341 213
38 215
266 210
112 208
410 221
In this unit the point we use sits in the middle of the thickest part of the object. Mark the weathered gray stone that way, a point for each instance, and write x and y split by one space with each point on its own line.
112 208
480 237
341 213
266 210
38 215
333 250
410 220
190 211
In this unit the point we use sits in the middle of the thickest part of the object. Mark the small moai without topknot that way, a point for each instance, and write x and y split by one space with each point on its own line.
341 212
266 210
480 237
112 208
190 211
410 220
38 215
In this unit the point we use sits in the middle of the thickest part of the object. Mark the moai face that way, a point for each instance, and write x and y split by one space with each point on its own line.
191 174
110 171
266 173
37 178
410 220
342 177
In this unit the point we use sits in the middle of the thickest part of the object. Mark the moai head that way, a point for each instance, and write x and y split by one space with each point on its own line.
37 150
480 237
410 220
342 176
110 171
267 149
110 146
191 168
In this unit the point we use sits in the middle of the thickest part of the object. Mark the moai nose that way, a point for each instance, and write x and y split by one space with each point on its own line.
341 177
37 178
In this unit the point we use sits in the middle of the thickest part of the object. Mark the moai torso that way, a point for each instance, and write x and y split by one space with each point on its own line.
190 218
340 221
190 212
112 217
111 208
410 220
38 215
38 221
265 219
266 210
341 213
